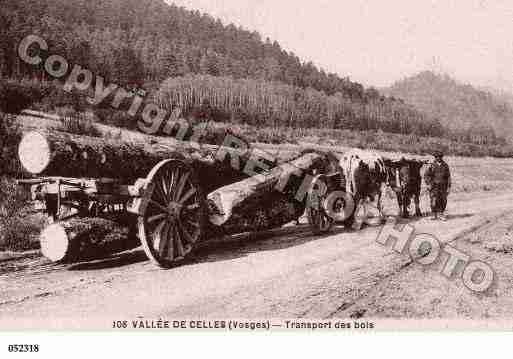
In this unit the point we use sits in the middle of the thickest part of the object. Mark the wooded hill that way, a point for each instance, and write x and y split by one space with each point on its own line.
130 41
213 71
456 105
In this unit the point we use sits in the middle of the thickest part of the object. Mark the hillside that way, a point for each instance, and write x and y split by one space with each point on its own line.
140 43
131 41
213 72
501 95
455 105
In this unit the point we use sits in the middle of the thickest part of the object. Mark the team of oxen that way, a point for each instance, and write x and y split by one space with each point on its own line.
367 172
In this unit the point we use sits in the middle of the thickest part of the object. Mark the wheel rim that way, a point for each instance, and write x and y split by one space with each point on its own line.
173 221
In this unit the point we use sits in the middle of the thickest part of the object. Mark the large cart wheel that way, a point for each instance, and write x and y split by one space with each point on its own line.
174 217
329 206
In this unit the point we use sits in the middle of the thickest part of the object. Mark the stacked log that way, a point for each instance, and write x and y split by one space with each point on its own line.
62 154
87 238
266 201
272 210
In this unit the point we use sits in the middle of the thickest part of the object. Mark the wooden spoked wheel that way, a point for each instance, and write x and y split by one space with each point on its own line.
173 220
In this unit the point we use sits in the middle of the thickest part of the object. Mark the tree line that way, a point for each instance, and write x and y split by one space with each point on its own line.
205 66
274 104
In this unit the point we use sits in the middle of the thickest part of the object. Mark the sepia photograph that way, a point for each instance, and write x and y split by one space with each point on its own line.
255 166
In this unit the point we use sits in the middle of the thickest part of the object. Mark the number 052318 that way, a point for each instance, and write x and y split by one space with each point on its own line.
23 348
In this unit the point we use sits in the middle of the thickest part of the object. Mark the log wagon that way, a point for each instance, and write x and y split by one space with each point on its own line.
105 195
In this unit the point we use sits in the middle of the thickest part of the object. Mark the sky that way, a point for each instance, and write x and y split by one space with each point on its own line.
377 42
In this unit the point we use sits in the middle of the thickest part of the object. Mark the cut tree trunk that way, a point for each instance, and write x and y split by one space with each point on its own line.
86 238
67 155
271 210
268 200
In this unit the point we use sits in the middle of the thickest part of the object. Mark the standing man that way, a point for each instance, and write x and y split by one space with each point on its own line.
438 180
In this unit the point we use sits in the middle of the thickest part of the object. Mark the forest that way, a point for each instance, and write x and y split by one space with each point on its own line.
210 70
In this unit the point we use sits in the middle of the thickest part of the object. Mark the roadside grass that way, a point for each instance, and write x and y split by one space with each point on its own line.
19 225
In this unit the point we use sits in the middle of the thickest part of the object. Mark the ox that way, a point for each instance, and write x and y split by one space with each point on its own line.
365 173
405 179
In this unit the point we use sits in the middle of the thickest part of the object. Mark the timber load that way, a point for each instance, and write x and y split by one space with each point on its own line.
175 196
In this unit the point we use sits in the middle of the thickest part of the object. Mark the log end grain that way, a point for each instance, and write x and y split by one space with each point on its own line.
89 238
55 244
34 152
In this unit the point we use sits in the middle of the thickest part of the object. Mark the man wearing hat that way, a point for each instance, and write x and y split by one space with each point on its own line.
438 180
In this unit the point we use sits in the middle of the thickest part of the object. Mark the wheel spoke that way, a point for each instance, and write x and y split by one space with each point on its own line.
170 240
188 237
187 195
181 185
157 237
158 205
170 182
175 174
164 242
179 244
160 191
157 217
164 185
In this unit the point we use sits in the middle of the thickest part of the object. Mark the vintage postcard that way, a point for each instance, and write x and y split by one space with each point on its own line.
322 166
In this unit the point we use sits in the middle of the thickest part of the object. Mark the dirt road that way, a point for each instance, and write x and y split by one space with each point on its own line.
288 273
